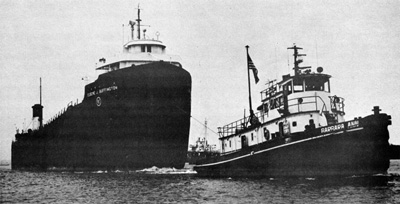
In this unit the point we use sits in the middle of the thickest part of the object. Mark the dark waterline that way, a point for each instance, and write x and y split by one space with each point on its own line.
100 187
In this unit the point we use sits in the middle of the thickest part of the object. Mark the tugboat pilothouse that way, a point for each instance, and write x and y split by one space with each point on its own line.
135 115
300 130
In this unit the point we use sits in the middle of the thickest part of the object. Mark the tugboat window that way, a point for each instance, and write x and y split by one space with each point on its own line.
143 48
289 88
148 48
298 88
326 86
294 123
266 134
314 84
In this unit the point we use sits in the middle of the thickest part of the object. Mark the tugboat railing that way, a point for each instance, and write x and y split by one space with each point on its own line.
243 124
337 104
300 101
237 126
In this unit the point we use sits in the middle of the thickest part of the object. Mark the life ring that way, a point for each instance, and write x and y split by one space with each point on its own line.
286 127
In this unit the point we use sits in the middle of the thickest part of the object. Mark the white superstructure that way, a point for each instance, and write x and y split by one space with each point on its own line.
137 52
297 103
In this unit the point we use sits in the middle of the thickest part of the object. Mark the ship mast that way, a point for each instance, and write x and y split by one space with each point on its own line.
40 87
138 22
37 109
41 115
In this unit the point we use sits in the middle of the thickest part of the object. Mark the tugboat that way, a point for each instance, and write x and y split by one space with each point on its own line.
135 115
202 149
300 130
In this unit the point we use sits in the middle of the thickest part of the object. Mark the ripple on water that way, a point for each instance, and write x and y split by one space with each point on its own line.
121 187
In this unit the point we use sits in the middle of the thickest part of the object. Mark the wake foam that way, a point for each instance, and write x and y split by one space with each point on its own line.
166 170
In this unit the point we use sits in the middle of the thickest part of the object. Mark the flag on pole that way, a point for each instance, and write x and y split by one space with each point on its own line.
252 67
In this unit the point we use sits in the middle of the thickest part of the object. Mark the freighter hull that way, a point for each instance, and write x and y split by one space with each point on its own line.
130 118
346 150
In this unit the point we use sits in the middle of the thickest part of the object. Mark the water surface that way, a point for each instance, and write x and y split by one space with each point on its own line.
132 187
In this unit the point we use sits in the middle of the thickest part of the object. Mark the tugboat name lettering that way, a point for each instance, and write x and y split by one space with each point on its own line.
352 124
332 128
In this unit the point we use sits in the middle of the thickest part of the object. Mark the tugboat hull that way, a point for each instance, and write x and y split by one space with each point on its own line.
345 151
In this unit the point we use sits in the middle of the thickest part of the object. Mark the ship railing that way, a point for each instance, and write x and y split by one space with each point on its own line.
61 112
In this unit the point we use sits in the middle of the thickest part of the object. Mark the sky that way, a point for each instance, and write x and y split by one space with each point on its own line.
60 41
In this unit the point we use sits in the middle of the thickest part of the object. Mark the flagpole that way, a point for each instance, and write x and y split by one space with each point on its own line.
248 80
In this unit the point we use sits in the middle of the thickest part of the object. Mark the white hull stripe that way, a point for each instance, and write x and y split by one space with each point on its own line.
276 147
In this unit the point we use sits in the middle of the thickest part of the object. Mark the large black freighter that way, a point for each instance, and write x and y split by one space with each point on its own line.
135 115
300 130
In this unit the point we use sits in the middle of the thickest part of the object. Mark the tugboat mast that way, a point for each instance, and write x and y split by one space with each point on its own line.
248 80
297 69
252 119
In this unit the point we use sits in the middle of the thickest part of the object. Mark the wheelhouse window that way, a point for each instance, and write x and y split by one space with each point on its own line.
314 85
317 84
288 88
143 48
148 48
327 86
298 88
